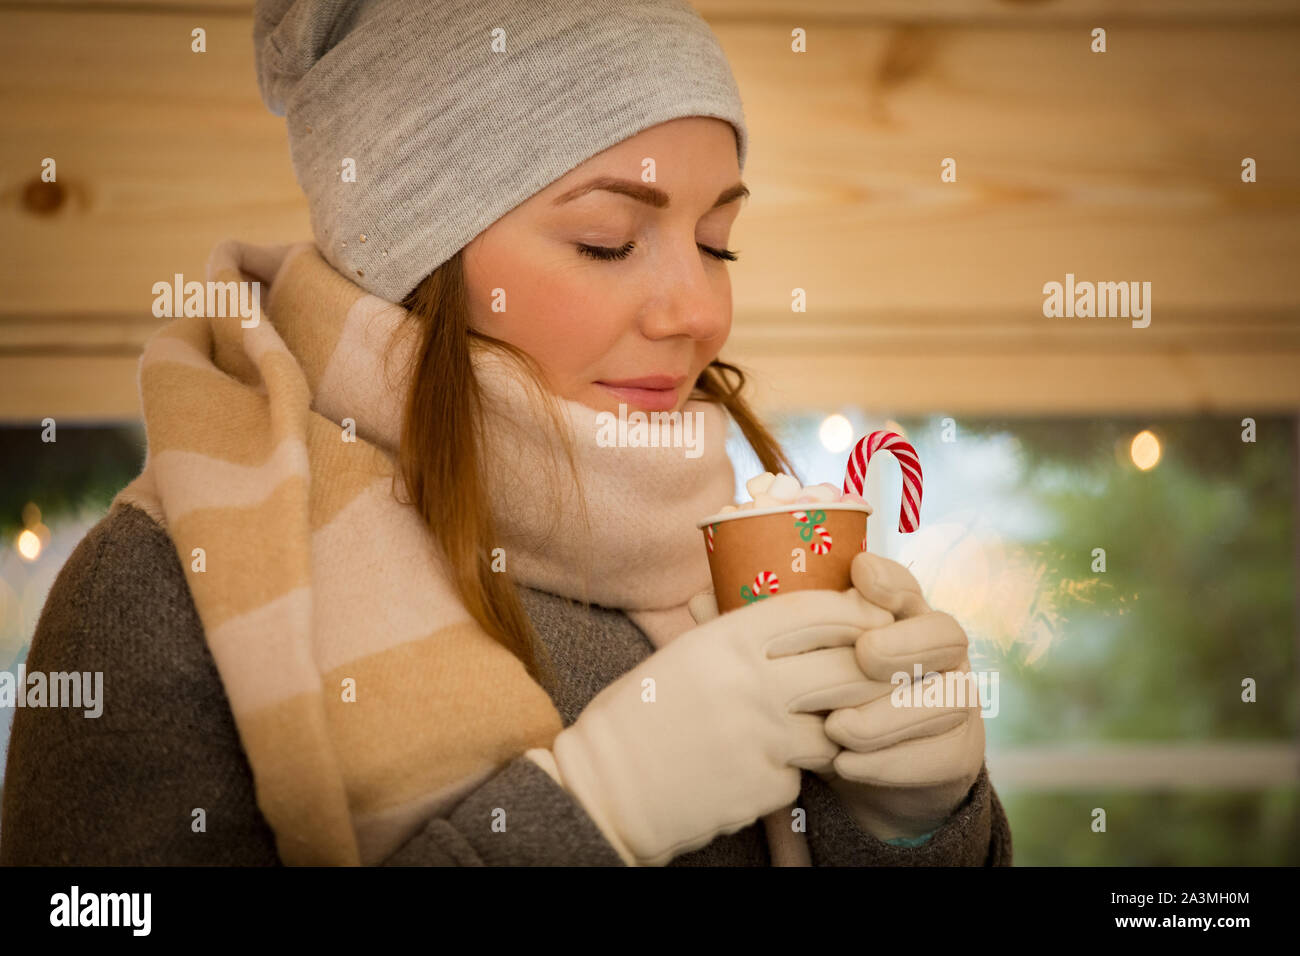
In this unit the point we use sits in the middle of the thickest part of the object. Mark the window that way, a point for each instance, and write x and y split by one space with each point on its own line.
51 494
1122 688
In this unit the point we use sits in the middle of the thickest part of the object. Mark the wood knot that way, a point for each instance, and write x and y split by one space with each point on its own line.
909 53
42 198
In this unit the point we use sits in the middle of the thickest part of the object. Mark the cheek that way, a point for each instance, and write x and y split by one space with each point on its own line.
554 319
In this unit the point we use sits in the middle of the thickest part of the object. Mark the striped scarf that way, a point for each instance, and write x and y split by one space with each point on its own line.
367 699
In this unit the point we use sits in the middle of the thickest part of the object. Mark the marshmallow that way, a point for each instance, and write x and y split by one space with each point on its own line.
728 508
783 491
784 488
823 492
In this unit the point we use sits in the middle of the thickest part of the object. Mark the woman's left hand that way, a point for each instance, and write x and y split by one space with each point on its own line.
905 769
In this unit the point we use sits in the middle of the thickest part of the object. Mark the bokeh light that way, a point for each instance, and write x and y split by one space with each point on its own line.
28 544
1144 450
836 433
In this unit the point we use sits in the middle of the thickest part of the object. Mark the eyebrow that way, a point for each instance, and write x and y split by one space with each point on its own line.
643 192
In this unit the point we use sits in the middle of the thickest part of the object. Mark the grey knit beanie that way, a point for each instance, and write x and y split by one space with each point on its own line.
445 133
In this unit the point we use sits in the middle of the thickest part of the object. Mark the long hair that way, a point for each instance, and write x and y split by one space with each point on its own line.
441 456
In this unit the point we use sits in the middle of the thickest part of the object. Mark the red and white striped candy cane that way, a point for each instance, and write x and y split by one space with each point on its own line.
822 538
823 543
909 514
708 537
766 579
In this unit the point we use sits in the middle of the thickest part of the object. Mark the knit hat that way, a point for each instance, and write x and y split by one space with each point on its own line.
413 126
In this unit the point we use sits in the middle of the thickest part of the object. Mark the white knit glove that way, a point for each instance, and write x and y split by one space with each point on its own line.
904 770
731 724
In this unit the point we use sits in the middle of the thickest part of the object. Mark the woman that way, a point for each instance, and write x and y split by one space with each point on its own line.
380 595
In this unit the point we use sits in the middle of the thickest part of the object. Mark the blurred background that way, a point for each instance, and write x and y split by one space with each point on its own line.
1042 439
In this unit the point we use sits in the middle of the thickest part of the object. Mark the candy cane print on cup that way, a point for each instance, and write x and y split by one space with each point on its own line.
816 533
909 514
708 538
763 579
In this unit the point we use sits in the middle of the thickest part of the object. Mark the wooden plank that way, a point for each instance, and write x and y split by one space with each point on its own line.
797 334
1117 167
907 363
103 387
85 334
963 12
69 388
862 11
1020 384
921 295
239 8
161 153
972 331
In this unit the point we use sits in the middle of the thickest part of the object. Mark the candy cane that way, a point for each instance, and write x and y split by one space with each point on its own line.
708 538
823 543
760 579
909 513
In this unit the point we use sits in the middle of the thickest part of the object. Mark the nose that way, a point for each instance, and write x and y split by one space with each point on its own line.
692 298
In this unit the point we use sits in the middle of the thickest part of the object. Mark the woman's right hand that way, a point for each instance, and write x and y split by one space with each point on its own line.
710 732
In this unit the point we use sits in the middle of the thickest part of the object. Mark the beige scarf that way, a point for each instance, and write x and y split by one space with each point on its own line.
366 697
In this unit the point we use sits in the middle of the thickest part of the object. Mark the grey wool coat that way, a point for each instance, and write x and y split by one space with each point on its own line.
115 790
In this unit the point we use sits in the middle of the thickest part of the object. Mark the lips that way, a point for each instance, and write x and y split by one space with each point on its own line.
653 382
654 393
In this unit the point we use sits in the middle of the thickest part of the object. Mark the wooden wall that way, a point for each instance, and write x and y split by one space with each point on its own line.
923 296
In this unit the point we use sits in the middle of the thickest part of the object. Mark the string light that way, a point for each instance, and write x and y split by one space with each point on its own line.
1144 450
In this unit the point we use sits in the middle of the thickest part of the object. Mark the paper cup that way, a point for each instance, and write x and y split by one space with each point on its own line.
752 554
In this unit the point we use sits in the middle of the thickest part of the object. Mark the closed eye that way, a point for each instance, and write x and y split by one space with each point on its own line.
606 253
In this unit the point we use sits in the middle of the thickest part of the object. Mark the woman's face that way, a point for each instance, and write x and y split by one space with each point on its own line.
618 297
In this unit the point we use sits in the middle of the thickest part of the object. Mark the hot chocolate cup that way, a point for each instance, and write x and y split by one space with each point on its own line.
762 552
